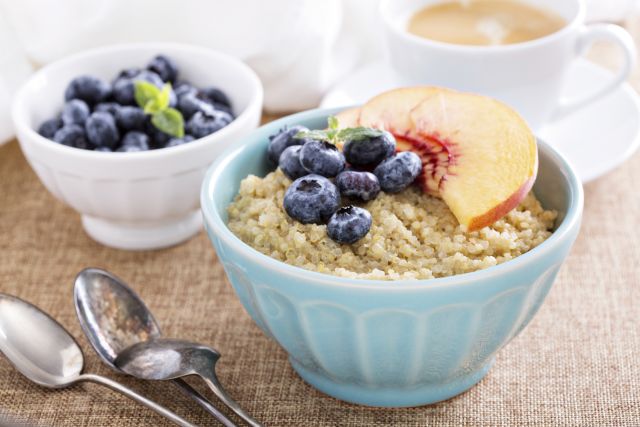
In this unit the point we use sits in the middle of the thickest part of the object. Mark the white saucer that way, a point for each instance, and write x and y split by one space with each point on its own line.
596 139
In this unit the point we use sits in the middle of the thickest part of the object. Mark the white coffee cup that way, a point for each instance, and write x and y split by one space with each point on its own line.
529 76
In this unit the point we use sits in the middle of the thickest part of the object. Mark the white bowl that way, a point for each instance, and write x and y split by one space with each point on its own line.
140 200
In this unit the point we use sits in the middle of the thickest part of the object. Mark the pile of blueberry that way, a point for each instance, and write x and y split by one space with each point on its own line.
103 116
311 159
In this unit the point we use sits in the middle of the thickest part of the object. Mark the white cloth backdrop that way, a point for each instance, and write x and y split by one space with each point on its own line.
299 48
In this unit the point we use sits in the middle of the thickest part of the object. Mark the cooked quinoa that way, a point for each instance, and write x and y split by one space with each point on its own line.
413 235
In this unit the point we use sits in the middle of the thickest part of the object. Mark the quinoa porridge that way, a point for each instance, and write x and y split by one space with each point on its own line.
412 235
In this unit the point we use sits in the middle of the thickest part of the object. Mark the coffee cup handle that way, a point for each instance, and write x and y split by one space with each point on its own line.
590 34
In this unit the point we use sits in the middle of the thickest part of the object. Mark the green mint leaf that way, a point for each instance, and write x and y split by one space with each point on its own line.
153 106
144 92
332 121
160 102
359 133
163 98
169 121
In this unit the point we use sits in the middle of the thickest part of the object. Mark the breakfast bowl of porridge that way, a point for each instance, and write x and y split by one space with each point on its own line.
393 249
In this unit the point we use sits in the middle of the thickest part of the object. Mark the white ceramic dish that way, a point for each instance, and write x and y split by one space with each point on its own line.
612 121
140 200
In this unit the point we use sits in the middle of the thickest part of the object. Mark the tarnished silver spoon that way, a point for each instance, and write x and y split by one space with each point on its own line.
44 352
113 317
167 359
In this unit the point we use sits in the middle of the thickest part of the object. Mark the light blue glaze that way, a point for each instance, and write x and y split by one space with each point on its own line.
403 343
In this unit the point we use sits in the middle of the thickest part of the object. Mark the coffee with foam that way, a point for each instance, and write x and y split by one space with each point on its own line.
484 22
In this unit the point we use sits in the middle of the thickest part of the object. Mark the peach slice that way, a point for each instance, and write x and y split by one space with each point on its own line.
348 118
391 111
492 154
478 155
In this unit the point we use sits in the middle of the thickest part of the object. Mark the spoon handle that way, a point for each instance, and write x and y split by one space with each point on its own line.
202 401
212 382
137 397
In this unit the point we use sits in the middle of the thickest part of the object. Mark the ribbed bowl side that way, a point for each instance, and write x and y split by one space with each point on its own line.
124 199
375 338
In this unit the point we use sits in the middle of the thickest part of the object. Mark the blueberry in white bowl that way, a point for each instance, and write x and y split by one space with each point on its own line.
142 100
130 118
71 136
90 89
145 195
75 112
49 127
102 131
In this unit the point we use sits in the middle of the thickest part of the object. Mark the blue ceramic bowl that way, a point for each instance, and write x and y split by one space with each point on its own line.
378 343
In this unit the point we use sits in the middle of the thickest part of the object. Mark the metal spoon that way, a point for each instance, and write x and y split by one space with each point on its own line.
166 359
44 352
113 317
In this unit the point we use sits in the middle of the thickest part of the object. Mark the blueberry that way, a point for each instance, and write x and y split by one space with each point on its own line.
107 107
101 130
311 199
164 67
89 89
158 138
290 162
173 99
283 139
222 107
128 73
369 151
124 90
362 185
201 124
398 172
149 76
191 101
174 142
75 112
135 139
215 95
130 118
349 224
103 149
72 136
182 88
189 104
49 127
322 158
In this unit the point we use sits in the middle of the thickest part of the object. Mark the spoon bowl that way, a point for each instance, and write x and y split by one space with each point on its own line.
114 318
166 359
42 350
37 345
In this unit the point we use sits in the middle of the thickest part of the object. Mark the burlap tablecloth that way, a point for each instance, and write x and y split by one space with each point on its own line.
578 363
